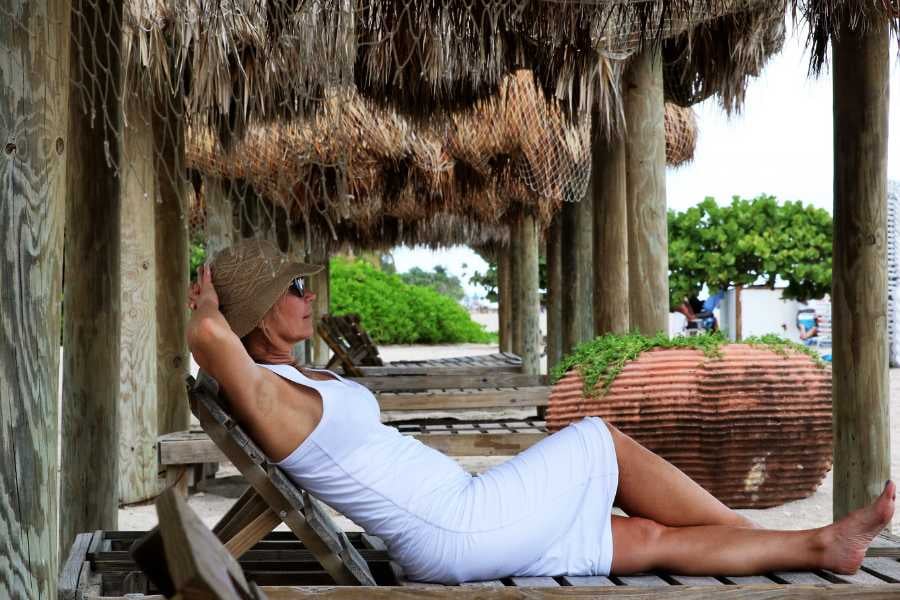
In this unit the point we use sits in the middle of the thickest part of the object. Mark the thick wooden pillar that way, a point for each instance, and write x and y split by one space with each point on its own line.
529 303
862 457
554 293
515 286
34 107
221 229
503 300
577 255
89 481
608 188
138 414
172 266
645 166
321 285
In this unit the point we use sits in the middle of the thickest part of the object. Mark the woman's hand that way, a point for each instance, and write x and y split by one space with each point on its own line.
203 292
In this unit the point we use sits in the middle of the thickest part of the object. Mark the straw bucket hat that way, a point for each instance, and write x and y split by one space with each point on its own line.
249 278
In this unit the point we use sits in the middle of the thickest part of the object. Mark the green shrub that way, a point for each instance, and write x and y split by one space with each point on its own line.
394 312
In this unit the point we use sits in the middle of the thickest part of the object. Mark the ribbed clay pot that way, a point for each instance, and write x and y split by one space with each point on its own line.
752 426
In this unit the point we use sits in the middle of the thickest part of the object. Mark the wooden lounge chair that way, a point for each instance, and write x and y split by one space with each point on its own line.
357 355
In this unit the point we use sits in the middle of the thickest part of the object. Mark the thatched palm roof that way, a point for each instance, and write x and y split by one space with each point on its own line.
357 170
244 61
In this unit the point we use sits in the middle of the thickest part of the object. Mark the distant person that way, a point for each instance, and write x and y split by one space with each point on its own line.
807 325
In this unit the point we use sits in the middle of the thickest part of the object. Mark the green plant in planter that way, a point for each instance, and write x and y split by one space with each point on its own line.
600 360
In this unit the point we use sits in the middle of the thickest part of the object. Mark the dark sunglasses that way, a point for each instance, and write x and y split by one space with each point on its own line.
297 286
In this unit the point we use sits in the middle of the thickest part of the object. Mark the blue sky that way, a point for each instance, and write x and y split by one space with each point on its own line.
780 144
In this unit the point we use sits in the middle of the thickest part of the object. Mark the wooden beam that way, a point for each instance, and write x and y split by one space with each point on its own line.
321 285
554 293
862 457
577 258
504 325
34 109
645 166
221 229
469 400
172 264
138 419
529 296
515 287
89 472
609 191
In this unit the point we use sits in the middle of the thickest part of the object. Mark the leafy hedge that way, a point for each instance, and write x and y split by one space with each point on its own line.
394 312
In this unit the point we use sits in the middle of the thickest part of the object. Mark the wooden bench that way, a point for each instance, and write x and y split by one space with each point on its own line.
99 566
354 350
181 454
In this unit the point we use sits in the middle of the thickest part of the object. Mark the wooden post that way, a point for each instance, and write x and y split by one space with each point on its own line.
577 255
554 293
529 296
504 300
221 229
611 313
321 285
172 266
515 286
34 107
89 481
645 147
138 420
862 457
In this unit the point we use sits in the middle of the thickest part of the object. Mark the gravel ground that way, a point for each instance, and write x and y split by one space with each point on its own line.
813 511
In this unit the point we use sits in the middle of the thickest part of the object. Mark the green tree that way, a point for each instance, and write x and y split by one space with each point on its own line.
750 242
439 280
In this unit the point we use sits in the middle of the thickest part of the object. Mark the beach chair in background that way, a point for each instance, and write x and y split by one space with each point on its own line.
357 355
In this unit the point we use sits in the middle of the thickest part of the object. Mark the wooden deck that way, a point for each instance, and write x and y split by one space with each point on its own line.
99 566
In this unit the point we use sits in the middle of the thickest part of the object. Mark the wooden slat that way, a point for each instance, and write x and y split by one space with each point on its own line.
861 577
71 570
490 583
500 444
534 582
695 581
643 581
750 580
392 370
590 581
800 577
500 398
885 568
447 380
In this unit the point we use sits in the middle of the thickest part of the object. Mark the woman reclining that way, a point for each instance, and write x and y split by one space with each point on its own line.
545 512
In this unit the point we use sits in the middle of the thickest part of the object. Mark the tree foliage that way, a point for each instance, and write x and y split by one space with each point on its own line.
439 280
750 242
394 312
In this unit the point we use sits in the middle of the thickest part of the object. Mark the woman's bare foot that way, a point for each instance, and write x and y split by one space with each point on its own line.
846 541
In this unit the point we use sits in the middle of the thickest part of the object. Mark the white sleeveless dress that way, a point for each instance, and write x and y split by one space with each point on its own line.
544 512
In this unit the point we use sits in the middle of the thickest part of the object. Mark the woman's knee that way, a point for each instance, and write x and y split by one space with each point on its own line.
635 544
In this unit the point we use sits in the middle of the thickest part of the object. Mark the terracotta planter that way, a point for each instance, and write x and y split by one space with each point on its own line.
753 427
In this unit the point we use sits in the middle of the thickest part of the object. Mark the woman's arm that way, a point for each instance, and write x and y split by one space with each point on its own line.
216 348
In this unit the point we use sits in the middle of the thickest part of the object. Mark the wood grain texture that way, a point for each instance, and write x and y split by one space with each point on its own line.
221 229
448 380
862 458
137 382
609 190
553 255
529 304
577 259
34 106
172 264
515 287
89 471
645 166
504 300
320 283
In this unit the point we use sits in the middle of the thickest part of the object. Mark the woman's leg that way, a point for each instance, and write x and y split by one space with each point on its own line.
653 488
642 545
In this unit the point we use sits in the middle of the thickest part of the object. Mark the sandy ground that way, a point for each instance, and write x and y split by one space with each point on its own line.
813 511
